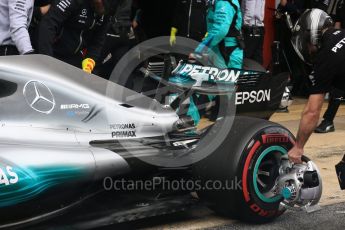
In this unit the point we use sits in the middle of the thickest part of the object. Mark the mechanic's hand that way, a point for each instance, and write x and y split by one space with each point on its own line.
135 24
44 9
88 65
205 36
197 57
173 36
295 155
192 56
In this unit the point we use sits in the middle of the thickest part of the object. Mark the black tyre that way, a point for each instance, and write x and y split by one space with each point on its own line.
247 165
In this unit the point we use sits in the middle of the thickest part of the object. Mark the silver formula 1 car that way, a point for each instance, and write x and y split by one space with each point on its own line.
81 151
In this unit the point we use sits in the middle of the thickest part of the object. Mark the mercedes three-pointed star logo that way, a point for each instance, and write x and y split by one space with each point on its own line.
39 97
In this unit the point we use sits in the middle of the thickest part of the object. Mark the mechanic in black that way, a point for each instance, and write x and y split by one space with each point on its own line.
73 26
41 8
119 39
284 56
189 20
317 42
253 13
288 60
336 95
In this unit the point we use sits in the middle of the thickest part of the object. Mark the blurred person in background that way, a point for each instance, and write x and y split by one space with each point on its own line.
74 31
41 8
15 18
119 39
224 38
223 43
283 51
253 12
136 15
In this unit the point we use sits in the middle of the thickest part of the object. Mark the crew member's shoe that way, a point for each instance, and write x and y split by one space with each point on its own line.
325 127
340 169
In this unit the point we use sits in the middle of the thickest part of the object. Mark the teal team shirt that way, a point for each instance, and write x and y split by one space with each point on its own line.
219 19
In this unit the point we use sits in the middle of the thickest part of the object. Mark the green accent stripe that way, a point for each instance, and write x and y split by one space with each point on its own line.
34 181
256 169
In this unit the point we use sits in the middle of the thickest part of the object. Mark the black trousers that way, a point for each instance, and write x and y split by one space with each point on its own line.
117 47
333 105
289 60
254 40
8 50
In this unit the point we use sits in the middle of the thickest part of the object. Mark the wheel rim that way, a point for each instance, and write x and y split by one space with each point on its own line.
266 171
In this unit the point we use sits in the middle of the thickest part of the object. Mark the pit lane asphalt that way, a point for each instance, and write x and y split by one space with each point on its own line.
329 217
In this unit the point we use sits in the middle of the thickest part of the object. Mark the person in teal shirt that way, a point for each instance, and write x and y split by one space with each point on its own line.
223 41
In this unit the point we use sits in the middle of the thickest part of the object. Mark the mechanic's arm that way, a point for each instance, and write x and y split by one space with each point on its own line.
51 24
19 14
223 16
309 120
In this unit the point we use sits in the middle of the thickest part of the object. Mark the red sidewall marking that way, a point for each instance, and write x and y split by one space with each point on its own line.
274 138
245 170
